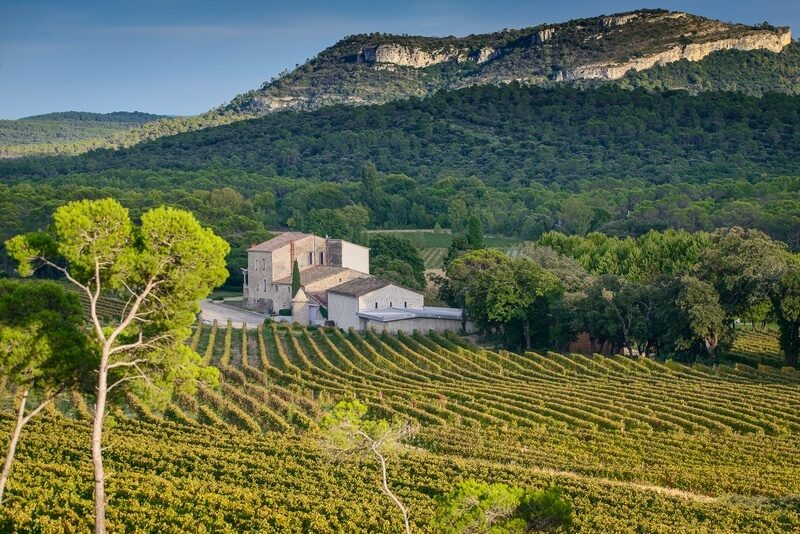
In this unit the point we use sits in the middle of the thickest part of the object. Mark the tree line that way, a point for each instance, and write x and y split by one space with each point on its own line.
244 207
666 294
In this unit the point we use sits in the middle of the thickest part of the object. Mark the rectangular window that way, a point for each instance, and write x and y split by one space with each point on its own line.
311 258
376 305
322 258
390 304
405 304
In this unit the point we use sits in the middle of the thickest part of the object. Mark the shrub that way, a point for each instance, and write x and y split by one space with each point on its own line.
494 508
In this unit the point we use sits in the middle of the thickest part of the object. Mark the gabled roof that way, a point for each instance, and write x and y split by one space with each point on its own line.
313 274
300 296
363 286
320 296
279 241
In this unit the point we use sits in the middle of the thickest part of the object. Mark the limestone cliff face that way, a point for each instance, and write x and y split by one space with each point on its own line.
618 20
542 36
409 56
483 54
774 42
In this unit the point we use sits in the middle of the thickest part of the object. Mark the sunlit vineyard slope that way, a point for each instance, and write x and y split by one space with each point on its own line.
637 445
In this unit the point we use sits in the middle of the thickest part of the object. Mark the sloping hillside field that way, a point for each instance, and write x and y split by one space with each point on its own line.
636 445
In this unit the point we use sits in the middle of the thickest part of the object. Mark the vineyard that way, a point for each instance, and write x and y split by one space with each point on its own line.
433 257
757 347
637 445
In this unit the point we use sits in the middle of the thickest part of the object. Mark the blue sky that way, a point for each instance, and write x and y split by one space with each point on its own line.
184 57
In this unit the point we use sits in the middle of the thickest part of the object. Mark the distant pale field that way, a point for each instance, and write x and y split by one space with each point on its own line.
433 244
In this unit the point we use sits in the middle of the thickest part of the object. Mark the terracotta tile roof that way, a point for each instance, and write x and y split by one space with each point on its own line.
363 286
278 241
313 274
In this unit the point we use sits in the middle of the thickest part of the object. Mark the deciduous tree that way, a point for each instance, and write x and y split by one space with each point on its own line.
705 317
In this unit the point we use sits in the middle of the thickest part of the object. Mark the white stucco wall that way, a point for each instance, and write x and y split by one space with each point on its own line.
391 296
300 311
342 310
355 257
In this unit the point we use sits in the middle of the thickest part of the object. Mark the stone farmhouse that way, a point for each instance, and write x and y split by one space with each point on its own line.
335 288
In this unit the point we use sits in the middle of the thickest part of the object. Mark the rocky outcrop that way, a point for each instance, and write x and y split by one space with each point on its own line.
772 41
542 36
407 56
483 54
618 20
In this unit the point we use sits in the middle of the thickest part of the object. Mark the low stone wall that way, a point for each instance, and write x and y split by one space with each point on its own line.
423 324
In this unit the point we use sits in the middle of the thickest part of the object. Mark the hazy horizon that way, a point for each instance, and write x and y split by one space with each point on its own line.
183 58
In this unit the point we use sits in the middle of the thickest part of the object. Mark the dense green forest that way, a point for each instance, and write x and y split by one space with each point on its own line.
57 132
526 160
508 137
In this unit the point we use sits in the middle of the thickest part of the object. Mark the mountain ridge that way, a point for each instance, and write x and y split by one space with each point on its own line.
377 68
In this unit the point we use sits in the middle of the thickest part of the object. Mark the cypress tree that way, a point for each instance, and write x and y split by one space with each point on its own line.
475 232
295 278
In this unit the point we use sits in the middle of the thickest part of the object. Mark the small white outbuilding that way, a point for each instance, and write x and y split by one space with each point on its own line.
379 305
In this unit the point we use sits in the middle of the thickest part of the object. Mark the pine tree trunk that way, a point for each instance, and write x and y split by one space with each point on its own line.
791 344
97 450
12 446
387 491
793 352
526 331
